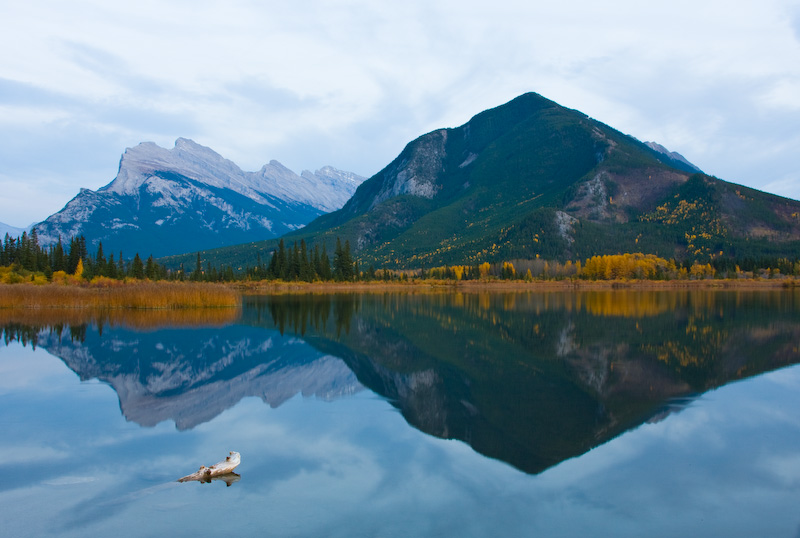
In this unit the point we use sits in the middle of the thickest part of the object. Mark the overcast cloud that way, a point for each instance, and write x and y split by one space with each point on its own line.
350 82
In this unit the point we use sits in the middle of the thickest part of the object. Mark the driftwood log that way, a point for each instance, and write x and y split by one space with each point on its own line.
219 471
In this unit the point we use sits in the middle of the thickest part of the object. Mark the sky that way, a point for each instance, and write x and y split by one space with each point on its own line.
348 83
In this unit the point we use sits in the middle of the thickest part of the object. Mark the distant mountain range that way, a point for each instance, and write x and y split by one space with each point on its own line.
12 231
532 179
189 198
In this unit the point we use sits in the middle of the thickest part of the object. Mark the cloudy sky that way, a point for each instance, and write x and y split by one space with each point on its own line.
350 82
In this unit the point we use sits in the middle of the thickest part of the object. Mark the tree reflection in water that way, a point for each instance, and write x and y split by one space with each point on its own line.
529 378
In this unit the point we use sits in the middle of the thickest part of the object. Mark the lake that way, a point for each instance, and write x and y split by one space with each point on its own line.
585 413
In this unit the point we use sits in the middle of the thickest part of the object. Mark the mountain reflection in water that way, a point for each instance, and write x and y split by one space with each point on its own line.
528 378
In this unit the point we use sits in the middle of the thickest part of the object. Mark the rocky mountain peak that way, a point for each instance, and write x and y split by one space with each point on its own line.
187 158
655 146
192 198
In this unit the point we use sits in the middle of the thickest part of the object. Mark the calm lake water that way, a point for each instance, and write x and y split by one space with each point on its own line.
618 413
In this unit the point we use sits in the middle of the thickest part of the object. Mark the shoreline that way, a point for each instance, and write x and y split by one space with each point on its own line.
261 288
162 295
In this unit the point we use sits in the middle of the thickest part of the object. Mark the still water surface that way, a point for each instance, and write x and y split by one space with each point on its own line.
623 413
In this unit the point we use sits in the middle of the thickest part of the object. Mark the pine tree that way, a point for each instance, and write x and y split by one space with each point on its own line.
111 267
324 269
100 260
347 263
150 268
4 253
137 268
294 263
339 262
272 269
282 263
57 259
197 274
306 267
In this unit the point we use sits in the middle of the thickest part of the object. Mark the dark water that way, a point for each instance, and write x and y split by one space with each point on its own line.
613 413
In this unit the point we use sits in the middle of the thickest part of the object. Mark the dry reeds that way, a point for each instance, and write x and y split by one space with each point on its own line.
132 319
133 295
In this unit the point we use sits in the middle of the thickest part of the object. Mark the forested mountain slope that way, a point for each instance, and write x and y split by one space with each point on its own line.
532 178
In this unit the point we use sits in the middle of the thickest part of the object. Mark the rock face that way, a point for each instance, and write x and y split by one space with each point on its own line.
415 174
190 198
655 146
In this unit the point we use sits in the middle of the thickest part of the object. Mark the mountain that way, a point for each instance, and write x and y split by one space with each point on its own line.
189 197
530 179
672 154
12 231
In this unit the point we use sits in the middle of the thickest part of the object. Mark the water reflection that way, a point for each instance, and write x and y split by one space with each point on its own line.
536 378
190 371
528 378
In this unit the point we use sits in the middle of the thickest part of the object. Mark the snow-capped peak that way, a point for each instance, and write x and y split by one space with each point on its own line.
327 189
187 158
192 198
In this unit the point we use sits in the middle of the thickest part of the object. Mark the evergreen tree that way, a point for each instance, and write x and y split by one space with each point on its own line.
75 254
5 258
324 268
100 260
111 267
282 263
348 271
24 254
89 268
197 274
137 268
57 259
294 263
339 264
40 261
316 260
272 269
150 269
307 272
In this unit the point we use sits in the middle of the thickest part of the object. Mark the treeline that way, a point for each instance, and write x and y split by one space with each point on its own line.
23 259
299 263
635 266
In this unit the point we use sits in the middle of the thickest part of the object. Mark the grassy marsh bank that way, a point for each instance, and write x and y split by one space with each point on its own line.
280 287
119 295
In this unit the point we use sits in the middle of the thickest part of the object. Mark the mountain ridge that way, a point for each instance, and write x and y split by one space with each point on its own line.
11 231
169 201
531 178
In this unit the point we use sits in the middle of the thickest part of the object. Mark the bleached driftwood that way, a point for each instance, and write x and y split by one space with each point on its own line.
219 471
